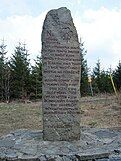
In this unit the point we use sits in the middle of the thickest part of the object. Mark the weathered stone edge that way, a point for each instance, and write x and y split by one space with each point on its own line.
78 157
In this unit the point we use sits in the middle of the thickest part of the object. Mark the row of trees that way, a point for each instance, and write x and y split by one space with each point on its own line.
21 80
18 78
99 80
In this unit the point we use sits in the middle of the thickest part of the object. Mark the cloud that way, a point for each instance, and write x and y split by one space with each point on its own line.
22 28
101 31
19 7
78 1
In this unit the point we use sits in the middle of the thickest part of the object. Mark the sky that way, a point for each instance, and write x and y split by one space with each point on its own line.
98 24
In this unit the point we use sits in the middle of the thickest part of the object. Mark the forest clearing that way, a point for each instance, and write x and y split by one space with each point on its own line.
102 111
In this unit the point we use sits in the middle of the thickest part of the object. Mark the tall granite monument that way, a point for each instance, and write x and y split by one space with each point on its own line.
61 77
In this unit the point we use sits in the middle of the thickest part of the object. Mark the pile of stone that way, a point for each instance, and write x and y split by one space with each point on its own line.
94 145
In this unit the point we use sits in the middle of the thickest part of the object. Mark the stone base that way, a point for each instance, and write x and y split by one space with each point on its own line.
94 145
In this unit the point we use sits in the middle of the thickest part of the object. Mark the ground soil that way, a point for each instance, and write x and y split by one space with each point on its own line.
101 111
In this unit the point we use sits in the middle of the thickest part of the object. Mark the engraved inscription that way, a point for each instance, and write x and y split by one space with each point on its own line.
66 33
61 79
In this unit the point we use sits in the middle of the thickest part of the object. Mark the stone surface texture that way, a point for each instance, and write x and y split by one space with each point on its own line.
61 77
29 145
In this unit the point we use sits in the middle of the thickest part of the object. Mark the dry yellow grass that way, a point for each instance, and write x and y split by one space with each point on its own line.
102 112
95 112
20 116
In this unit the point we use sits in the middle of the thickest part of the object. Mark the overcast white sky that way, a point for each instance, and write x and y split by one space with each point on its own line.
98 23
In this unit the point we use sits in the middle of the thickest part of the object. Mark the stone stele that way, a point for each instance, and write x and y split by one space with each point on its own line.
61 77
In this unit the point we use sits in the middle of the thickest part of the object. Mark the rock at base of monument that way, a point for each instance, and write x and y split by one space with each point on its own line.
62 134
26 145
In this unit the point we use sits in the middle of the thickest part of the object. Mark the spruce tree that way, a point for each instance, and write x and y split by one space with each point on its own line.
36 79
101 80
2 69
20 72
84 71
96 77
117 76
7 81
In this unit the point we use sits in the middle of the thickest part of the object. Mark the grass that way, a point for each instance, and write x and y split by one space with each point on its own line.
94 113
20 116
101 112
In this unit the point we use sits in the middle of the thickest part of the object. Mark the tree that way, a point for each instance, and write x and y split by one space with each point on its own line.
84 71
20 72
101 80
36 79
7 74
105 84
2 69
96 77
117 76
